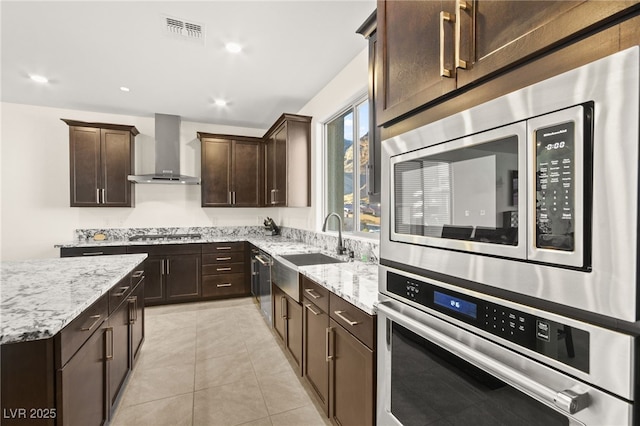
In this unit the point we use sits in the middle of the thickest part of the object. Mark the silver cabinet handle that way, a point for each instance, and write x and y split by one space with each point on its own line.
104 198
444 16
109 332
224 285
329 357
219 259
162 267
96 320
223 269
137 274
132 309
563 399
234 197
309 306
345 319
223 248
168 264
93 253
311 292
460 6
123 290
97 195
283 306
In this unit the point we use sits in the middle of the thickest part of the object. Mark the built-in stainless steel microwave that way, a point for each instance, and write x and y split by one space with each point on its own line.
535 192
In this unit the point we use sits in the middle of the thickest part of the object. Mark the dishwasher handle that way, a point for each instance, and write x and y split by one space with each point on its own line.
265 261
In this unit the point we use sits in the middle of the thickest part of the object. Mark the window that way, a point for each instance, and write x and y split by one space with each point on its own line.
347 161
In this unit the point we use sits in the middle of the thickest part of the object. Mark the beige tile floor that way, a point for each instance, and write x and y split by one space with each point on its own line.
214 363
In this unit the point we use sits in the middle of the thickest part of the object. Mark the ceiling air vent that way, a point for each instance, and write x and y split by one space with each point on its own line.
183 29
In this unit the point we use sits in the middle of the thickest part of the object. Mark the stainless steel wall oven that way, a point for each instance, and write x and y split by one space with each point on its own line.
509 258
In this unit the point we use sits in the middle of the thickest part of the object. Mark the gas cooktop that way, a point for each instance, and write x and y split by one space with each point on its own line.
156 237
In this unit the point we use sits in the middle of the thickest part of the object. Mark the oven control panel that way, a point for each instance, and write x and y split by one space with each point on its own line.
553 339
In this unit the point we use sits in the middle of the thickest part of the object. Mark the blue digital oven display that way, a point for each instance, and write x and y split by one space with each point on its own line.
454 304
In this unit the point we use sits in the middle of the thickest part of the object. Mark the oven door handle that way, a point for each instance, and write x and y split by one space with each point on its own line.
567 400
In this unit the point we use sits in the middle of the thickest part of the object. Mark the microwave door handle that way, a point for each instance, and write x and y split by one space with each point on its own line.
566 400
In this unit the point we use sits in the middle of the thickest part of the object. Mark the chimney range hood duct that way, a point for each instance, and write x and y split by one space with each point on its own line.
167 154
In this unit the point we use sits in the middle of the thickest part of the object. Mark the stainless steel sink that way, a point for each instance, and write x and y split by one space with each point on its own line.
284 273
304 259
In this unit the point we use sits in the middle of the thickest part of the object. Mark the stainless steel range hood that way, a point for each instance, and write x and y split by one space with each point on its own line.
167 154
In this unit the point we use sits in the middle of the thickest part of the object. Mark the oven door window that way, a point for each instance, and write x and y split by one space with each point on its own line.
464 190
430 386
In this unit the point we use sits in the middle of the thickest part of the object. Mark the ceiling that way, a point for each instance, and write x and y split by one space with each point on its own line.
89 49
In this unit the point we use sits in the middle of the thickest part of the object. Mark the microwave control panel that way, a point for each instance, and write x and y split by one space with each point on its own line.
560 342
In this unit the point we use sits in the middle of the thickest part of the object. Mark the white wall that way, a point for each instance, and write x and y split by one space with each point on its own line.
34 177
349 84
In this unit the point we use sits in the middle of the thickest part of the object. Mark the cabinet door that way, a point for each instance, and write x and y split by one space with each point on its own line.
182 276
153 280
315 349
280 167
247 172
408 55
509 31
216 172
279 311
351 377
118 360
84 161
294 331
81 384
270 175
136 320
116 167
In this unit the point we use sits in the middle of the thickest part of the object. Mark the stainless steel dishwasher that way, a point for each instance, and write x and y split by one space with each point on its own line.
261 281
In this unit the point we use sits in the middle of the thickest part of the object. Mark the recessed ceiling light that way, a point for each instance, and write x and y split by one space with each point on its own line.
220 102
124 89
233 47
39 78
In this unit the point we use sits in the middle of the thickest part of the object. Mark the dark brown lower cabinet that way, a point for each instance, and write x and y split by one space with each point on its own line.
316 351
76 377
117 356
136 320
287 322
351 379
183 277
81 384
172 272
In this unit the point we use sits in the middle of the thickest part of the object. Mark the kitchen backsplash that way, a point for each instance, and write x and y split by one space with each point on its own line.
363 249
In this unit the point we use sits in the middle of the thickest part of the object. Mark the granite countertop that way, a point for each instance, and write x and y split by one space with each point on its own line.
355 281
40 297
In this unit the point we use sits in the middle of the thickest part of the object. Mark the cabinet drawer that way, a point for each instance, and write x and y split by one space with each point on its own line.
91 251
166 249
315 293
231 268
354 320
216 258
224 285
120 292
223 247
80 329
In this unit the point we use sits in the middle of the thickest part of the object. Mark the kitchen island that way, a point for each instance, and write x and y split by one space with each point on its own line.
70 329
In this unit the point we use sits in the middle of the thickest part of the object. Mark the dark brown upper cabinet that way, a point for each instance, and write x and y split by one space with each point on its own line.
232 170
428 49
288 162
101 157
